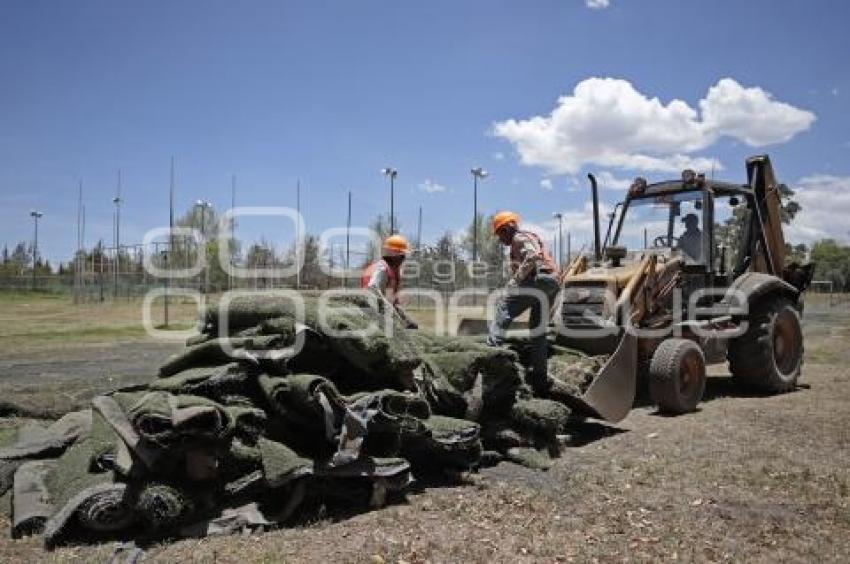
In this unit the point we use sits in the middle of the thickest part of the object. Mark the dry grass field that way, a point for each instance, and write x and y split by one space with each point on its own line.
745 478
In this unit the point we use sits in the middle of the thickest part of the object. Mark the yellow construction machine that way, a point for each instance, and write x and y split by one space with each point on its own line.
664 298
692 272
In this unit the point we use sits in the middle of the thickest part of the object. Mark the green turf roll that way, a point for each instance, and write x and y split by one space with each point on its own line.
530 457
449 443
376 345
281 464
82 487
471 383
575 369
163 507
216 352
167 420
542 417
31 503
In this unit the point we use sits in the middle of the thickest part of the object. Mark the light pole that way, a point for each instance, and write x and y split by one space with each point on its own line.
560 217
477 173
204 205
348 240
117 202
391 173
232 238
35 214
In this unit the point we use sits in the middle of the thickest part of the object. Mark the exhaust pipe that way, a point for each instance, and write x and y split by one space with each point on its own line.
597 245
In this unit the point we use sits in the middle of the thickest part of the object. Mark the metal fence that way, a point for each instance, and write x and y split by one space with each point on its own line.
103 274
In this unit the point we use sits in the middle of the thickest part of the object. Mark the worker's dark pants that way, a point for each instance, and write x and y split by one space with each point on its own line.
513 305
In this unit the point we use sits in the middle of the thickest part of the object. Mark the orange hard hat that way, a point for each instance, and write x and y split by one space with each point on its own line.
504 218
395 245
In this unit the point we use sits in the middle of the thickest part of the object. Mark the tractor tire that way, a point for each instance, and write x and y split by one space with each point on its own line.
677 376
768 358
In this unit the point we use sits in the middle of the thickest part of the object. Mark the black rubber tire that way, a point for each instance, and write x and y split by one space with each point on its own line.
677 376
768 358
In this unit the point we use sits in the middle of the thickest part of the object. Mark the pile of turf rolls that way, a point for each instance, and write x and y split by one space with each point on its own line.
273 408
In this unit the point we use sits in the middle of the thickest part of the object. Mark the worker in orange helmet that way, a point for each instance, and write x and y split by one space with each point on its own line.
531 268
383 277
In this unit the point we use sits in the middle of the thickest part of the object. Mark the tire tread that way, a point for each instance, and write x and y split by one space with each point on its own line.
751 355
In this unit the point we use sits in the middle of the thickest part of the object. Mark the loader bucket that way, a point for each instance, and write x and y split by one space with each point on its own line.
612 392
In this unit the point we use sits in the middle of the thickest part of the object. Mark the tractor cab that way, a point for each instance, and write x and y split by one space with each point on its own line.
695 222
671 224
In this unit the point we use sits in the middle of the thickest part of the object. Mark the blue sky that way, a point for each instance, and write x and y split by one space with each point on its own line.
330 92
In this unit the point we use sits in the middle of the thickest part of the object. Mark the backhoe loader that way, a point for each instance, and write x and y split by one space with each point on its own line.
664 298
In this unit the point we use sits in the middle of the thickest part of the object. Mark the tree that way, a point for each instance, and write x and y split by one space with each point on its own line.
260 255
832 263
185 249
489 248
732 234
445 248
311 269
789 207
796 253
381 227
441 265
21 255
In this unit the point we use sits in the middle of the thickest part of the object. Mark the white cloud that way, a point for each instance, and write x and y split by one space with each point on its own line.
597 4
498 155
750 114
607 122
608 181
546 183
578 223
431 187
834 91
825 202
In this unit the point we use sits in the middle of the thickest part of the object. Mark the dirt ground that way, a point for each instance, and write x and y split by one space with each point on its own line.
745 478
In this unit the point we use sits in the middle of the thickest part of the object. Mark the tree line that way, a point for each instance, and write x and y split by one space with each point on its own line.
445 263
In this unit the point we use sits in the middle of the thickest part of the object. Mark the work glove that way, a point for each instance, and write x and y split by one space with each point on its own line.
512 283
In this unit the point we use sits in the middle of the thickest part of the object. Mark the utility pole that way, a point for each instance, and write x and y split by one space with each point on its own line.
35 214
117 201
348 240
419 250
83 240
419 231
569 250
391 173
78 272
204 205
297 231
477 173
232 231
170 248
560 217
